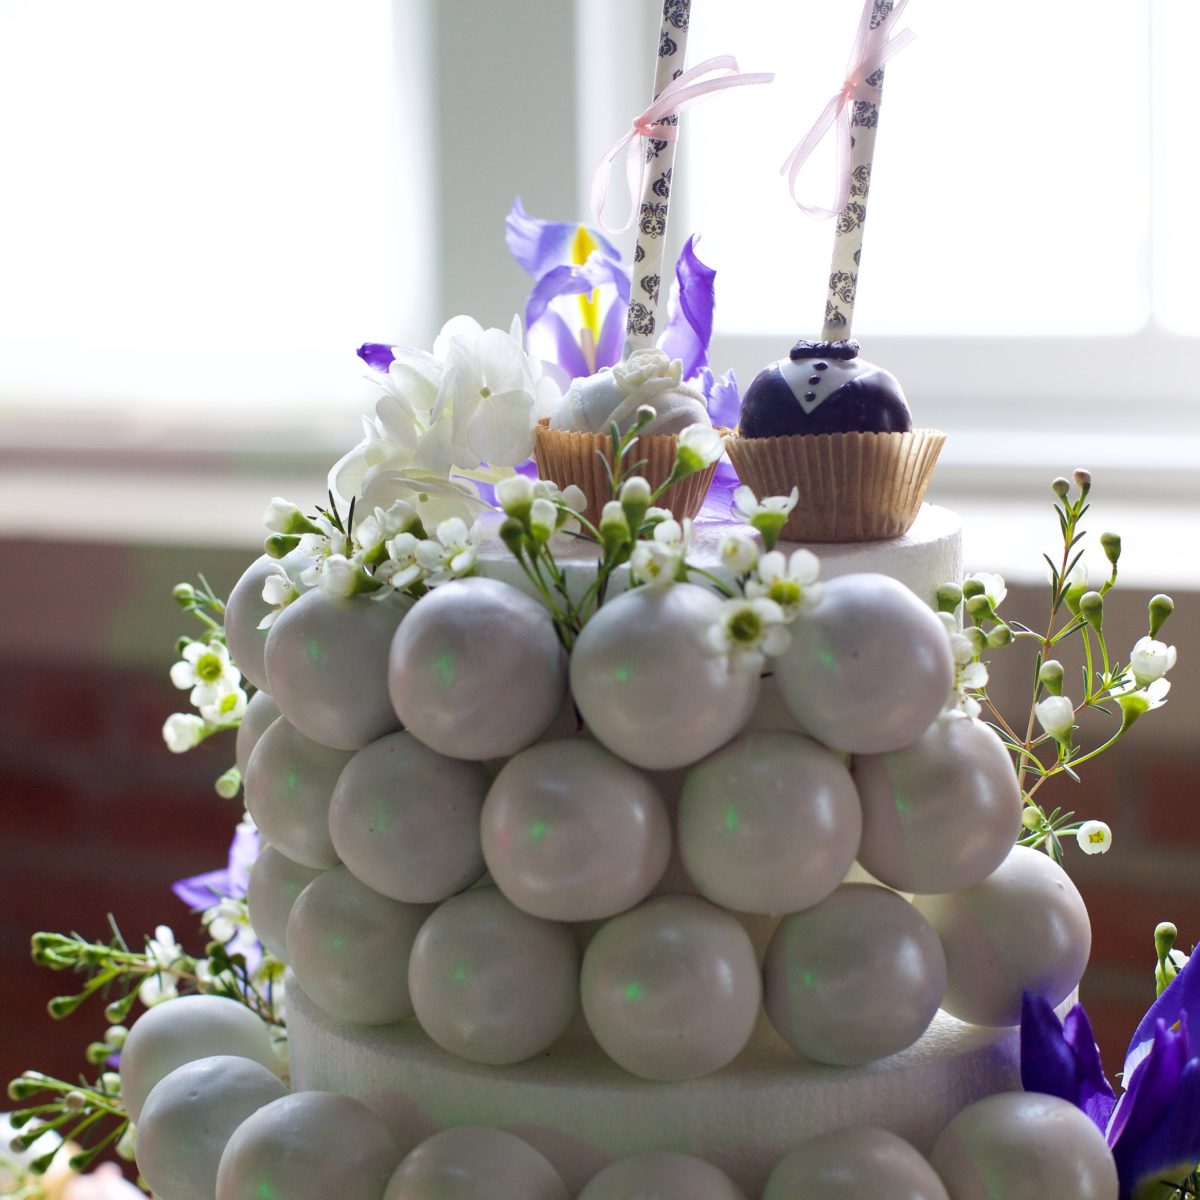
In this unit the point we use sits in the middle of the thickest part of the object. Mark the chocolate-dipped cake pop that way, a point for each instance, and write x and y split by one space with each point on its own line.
823 387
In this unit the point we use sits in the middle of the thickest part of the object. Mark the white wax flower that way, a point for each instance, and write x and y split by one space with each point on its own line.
402 568
647 378
1056 715
1150 660
737 553
278 588
383 523
182 731
207 669
226 709
282 516
656 560
749 627
699 447
164 952
1094 837
454 553
789 580
748 508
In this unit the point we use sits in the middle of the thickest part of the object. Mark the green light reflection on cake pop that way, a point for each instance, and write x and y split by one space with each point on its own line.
316 652
635 990
445 667
460 974
623 673
537 830
337 942
266 1190
292 778
732 818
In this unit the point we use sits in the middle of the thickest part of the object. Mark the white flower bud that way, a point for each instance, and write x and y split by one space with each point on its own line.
543 519
182 731
339 576
515 495
1056 715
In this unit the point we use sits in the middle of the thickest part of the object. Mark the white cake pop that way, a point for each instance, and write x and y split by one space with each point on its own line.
348 947
491 983
260 714
849 1164
308 1146
1023 927
326 660
941 813
869 667
856 978
476 671
648 687
405 819
1024 1146
275 882
474 1162
189 1116
671 989
769 824
662 1175
182 1030
572 833
289 783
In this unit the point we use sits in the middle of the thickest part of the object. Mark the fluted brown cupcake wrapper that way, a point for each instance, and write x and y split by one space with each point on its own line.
566 457
854 487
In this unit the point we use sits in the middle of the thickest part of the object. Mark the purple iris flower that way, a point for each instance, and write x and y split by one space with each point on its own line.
1153 1130
204 891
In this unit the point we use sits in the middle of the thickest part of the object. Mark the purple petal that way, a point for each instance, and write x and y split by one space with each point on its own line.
721 393
539 246
1049 1062
1096 1096
1151 1088
1181 996
612 335
199 892
688 330
567 353
243 851
719 498
574 281
1171 1149
376 355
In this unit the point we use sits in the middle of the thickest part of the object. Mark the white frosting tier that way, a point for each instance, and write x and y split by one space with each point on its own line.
582 1111
927 556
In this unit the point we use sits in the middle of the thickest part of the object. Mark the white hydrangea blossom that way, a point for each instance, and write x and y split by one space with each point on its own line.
469 407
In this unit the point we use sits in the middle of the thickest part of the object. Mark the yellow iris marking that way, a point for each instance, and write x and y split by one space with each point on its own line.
589 302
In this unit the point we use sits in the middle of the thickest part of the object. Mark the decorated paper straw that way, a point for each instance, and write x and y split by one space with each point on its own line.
642 317
854 112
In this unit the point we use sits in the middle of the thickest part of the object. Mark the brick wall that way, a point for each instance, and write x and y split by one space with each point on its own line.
99 817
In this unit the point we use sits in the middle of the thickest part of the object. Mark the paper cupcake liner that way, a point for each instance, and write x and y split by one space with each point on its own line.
854 487
566 457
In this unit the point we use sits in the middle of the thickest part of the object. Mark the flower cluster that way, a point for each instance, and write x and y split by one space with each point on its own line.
1076 613
387 550
206 672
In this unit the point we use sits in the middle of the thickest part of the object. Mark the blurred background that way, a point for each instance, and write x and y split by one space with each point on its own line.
208 208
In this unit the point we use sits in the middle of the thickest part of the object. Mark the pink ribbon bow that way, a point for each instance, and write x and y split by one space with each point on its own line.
872 48
681 92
